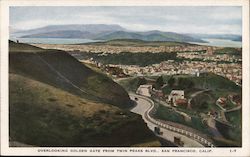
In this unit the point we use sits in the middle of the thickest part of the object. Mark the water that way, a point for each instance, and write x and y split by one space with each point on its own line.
52 40
220 43
211 42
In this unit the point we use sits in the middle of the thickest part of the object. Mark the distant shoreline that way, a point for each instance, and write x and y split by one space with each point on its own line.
209 41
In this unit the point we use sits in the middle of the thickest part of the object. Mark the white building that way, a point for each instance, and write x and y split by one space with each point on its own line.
175 95
144 90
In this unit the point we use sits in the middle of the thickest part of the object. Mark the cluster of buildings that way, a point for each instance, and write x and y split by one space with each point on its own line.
118 49
233 98
175 98
206 57
232 71
196 59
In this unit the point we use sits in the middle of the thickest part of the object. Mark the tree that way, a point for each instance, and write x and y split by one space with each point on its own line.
159 82
171 82
141 81
185 83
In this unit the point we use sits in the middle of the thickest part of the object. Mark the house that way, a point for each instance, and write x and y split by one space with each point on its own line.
144 90
222 101
181 102
175 95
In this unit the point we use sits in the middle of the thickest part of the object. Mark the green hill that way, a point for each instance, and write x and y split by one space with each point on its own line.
230 51
137 42
216 86
188 83
24 48
59 69
149 36
56 101
205 81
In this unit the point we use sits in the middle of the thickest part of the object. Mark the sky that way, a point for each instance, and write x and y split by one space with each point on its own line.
185 19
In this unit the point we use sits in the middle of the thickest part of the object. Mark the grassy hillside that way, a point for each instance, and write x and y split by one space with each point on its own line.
59 69
56 101
205 81
43 115
149 36
131 84
216 85
167 114
24 48
188 82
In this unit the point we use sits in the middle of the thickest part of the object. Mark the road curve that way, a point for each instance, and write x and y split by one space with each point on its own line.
146 105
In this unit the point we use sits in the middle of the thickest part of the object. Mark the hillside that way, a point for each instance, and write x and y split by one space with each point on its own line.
57 101
23 48
149 36
188 83
48 66
215 86
229 51
91 28
205 81
43 115
203 92
137 42
61 34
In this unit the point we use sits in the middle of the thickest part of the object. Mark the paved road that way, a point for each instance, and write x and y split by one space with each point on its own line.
121 79
146 105
234 109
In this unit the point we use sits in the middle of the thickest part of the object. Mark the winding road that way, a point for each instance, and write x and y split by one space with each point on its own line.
145 106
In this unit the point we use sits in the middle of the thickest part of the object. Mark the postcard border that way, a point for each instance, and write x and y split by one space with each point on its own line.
6 150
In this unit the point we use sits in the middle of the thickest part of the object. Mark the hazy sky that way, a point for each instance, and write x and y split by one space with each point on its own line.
186 19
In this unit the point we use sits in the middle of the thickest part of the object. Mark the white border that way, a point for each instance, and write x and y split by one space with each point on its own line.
6 150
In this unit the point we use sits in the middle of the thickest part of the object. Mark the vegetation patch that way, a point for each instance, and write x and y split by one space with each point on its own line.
167 114
230 51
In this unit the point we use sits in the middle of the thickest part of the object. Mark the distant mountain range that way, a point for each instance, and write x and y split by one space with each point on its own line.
91 28
111 32
232 37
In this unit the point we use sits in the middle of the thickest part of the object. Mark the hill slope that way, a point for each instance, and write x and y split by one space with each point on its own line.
91 28
149 36
59 69
43 115
61 34
57 101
